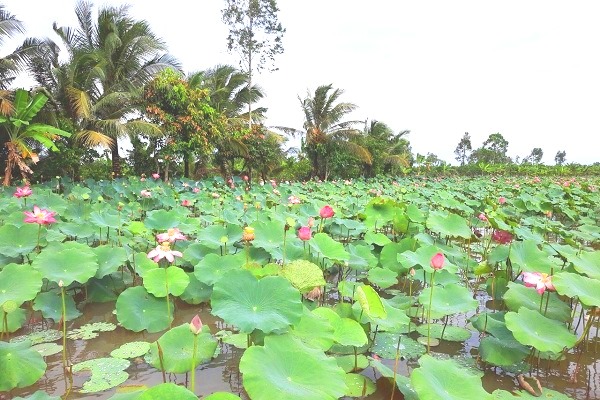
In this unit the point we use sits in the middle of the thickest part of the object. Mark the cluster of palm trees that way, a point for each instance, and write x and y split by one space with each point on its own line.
94 95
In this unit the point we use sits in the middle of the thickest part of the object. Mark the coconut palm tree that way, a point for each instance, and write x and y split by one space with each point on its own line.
100 86
325 129
389 150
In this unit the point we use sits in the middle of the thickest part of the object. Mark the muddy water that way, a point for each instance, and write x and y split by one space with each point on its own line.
578 375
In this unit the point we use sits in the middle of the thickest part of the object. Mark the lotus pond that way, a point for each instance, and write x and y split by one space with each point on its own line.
415 288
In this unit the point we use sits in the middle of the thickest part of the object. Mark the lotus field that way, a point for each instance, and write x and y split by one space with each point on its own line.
415 288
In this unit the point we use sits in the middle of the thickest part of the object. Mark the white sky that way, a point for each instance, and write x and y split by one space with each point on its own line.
529 69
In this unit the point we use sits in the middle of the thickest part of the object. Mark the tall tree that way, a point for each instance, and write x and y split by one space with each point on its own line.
535 157
463 149
561 157
255 33
99 86
493 151
388 150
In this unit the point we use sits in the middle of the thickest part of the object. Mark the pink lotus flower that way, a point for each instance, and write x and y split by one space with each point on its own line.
245 178
501 200
24 191
293 200
326 212
171 235
196 325
186 203
155 175
196 189
502 237
482 217
145 193
164 251
539 280
39 216
304 233
437 261
311 222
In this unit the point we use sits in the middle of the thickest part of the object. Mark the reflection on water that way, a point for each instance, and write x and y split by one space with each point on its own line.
577 376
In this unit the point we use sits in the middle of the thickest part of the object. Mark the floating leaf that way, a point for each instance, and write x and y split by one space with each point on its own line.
90 331
505 351
138 310
167 391
445 379
359 385
451 333
533 329
267 304
47 349
106 373
177 347
292 370
386 344
382 277
48 335
303 275
21 366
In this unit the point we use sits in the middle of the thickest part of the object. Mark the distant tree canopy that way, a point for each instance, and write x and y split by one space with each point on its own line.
493 151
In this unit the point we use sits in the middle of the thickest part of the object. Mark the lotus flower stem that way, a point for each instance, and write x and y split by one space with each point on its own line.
5 326
161 359
396 366
429 311
588 325
38 248
193 371
64 324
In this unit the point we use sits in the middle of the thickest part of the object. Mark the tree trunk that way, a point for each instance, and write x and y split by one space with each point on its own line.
116 160
250 76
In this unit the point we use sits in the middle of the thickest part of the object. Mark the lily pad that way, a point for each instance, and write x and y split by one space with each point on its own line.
68 263
268 304
138 310
48 335
47 349
292 370
359 385
222 396
386 343
21 366
533 329
90 331
106 373
382 277
448 300
167 391
303 275
348 362
212 267
445 379
39 395
451 333
178 347
501 352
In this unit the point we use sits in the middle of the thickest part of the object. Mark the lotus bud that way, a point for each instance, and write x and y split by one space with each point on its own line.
196 325
437 261
61 283
248 234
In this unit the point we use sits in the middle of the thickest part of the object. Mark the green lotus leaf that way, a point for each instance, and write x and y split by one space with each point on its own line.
167 391
292 370
132 392
47 335
402 382
450 333
109 259
361 257
105 289
448 224
379 212
50 304
47 349
526 255
518 296
16 241
212 267
196 292
303 275
137 228
348 362
268 304
493 323
106 219
212 236
503 351
422 256
386 345
195 252
396 320
533 329
142 264
382 277
131 350
500 394
587 289
370 302
448 300
314 330
326 247
359 385
376 238
162 281
445 379
588 262
221 396
19 283
106 373
15 319
90 331
161 220
21 366
346 331
70 262
39 395
178 347
138 310
388 257
238 340
78 230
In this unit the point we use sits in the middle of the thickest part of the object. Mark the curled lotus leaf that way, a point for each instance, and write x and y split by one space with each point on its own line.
531 328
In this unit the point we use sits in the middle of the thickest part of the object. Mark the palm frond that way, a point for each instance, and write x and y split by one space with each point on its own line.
92 138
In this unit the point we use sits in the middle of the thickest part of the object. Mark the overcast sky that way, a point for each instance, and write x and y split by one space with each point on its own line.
529 69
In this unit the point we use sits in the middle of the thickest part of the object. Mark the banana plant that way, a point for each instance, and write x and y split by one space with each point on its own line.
19 132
